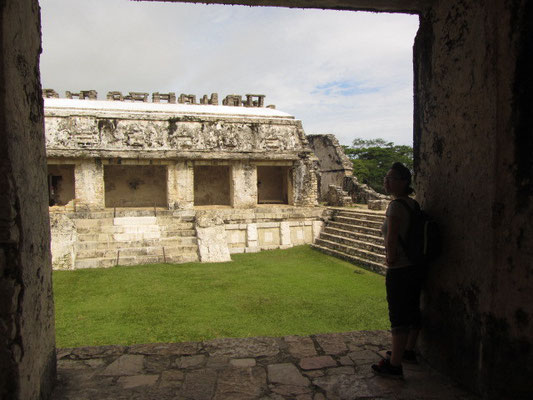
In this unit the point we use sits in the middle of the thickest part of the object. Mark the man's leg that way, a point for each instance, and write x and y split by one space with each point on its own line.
399 342
411 339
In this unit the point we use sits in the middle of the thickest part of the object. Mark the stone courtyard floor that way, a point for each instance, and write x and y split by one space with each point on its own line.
317 367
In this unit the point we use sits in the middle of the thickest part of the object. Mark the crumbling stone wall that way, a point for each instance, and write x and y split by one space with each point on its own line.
473 147
27 348
333 164
335 168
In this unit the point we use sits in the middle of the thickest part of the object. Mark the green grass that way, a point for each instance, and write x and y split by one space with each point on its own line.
273 293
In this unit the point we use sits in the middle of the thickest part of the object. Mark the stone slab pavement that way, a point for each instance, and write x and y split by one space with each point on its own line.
318 367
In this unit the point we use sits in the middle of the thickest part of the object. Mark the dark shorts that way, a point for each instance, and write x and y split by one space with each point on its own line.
403 296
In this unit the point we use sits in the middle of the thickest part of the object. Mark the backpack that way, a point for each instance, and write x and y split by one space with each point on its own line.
423 243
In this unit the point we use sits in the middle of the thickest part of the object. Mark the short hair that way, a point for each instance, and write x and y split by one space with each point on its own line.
404 174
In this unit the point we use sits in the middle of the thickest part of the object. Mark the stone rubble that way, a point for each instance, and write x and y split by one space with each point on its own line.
317 367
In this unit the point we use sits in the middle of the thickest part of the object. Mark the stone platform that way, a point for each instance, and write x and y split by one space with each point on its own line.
318 367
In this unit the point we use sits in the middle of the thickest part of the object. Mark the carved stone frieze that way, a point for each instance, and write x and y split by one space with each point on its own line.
183 133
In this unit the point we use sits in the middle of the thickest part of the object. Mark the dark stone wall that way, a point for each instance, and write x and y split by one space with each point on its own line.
473 146
473 162
27 349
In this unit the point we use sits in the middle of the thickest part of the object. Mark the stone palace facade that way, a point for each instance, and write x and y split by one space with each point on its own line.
132 181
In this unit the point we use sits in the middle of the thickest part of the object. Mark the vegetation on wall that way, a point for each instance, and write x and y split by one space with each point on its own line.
372 158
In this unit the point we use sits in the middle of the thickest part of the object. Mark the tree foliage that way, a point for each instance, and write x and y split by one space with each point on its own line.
372 158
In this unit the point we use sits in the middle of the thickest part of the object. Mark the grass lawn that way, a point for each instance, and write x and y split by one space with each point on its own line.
273 293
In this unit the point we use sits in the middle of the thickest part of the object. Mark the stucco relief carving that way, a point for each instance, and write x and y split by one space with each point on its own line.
182 135
87 132
141 134
72 132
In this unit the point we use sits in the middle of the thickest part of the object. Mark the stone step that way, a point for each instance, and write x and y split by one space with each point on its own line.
108 237
135 221
354 228
354 235
186 215
135 251
361 262
90 225
177 226
110 228
167 242
114 229
128 237
358 222
171 219
360 253
134 260
374 248
359 215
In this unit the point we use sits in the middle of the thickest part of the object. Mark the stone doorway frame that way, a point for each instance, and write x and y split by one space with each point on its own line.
444 63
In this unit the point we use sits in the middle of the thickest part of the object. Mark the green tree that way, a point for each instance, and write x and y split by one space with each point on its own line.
372 159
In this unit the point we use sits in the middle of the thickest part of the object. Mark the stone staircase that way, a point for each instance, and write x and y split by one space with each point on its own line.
354 236
107 239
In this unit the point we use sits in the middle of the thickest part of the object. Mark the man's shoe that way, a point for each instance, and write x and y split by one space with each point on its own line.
384 368
409 356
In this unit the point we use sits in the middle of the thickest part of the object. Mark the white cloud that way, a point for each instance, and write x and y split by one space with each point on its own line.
286 54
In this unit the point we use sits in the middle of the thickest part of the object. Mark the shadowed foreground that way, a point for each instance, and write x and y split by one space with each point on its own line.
318 367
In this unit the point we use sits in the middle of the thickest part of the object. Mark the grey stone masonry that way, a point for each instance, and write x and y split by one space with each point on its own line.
213 100
137 96
337 197
115 96
187 99
130 237
355 236
82 95
232 100
250 368
255 100
168 97
50 93
252 100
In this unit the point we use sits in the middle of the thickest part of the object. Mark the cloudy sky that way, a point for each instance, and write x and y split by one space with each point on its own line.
340 72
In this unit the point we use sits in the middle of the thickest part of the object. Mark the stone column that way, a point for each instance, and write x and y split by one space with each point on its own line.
305 185
180 185
317 228
27 337
244 185
285 234
89 183
252 240
212 240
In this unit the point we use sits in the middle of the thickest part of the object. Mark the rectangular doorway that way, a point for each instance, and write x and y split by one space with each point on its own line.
272 185
60 184
212 185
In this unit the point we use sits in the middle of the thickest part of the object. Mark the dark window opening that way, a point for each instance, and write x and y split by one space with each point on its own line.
212 185
60 184
135 185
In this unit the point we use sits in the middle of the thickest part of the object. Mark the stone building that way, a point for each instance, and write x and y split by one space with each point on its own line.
473 169
335 178
124 175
